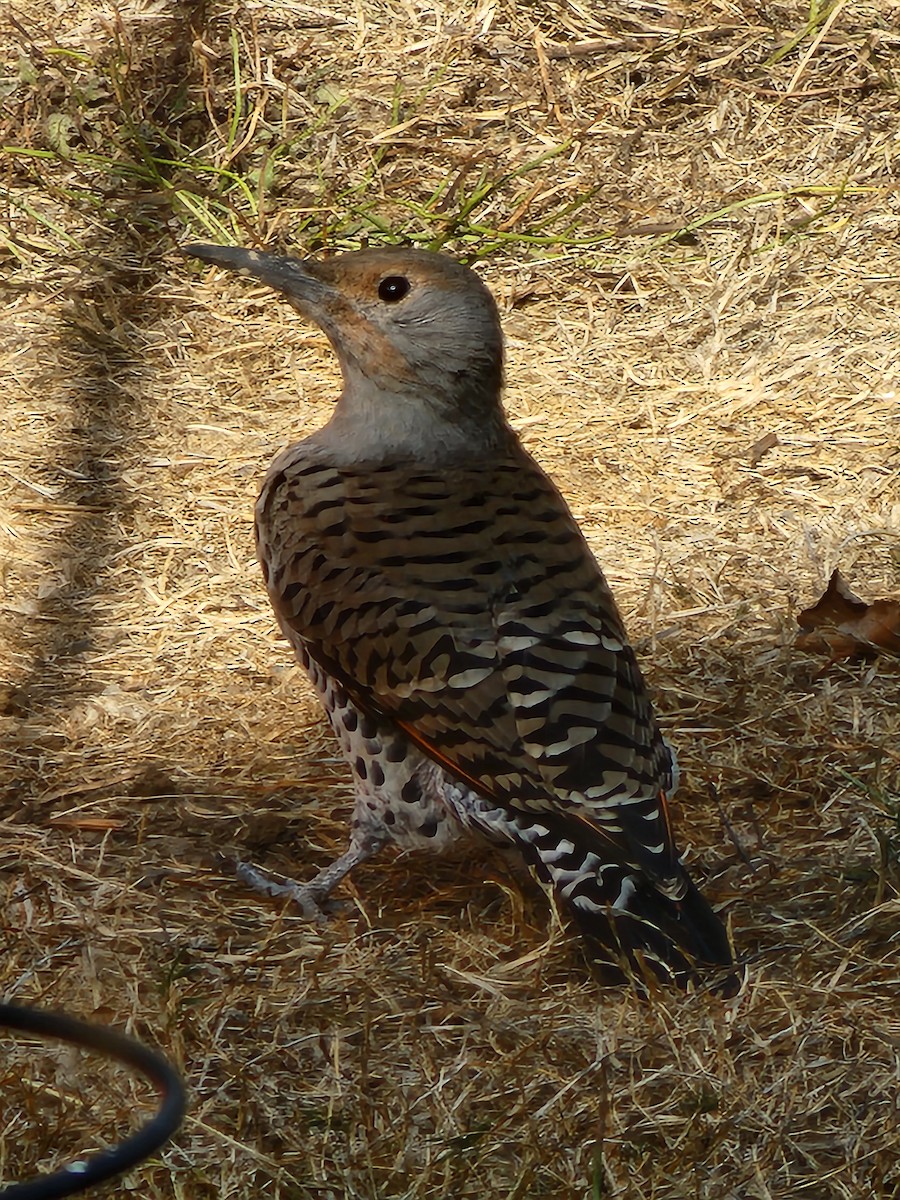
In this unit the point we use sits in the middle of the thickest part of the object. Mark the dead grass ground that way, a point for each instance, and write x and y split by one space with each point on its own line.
714 256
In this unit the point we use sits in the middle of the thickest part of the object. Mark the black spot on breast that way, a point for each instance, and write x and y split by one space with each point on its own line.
395 751
411 793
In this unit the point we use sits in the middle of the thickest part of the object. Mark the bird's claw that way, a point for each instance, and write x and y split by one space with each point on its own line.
312 903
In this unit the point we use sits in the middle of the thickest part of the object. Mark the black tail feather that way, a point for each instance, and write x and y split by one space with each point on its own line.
676 941
632 926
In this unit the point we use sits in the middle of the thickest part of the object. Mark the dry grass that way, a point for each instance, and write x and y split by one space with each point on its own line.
706 253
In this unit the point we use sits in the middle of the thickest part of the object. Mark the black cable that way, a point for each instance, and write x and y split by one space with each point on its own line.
99 1167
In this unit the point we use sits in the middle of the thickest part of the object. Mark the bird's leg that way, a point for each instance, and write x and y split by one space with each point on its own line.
310 897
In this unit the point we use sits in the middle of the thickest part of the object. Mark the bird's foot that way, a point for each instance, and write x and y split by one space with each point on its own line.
312 902
311 898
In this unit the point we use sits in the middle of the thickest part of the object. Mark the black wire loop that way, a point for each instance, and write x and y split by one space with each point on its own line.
149 1138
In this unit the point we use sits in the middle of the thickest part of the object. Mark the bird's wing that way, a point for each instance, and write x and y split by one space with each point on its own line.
468 609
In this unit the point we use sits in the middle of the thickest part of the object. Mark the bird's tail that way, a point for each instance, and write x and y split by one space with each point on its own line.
633 928
680 941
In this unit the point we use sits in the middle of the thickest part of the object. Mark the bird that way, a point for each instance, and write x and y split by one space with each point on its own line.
456 626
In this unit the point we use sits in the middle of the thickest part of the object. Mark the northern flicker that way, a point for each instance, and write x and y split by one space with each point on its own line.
461 636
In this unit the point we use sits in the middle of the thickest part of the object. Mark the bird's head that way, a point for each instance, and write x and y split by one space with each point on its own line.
413 330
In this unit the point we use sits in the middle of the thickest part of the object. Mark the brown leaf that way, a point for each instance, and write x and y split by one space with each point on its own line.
844 626
763 446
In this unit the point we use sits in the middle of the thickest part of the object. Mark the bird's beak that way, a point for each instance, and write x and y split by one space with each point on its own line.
290 276
310 287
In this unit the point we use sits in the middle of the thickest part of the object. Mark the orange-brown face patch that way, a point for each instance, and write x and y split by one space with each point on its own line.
363 319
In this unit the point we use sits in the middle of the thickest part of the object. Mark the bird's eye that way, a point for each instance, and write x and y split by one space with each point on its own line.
393 288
